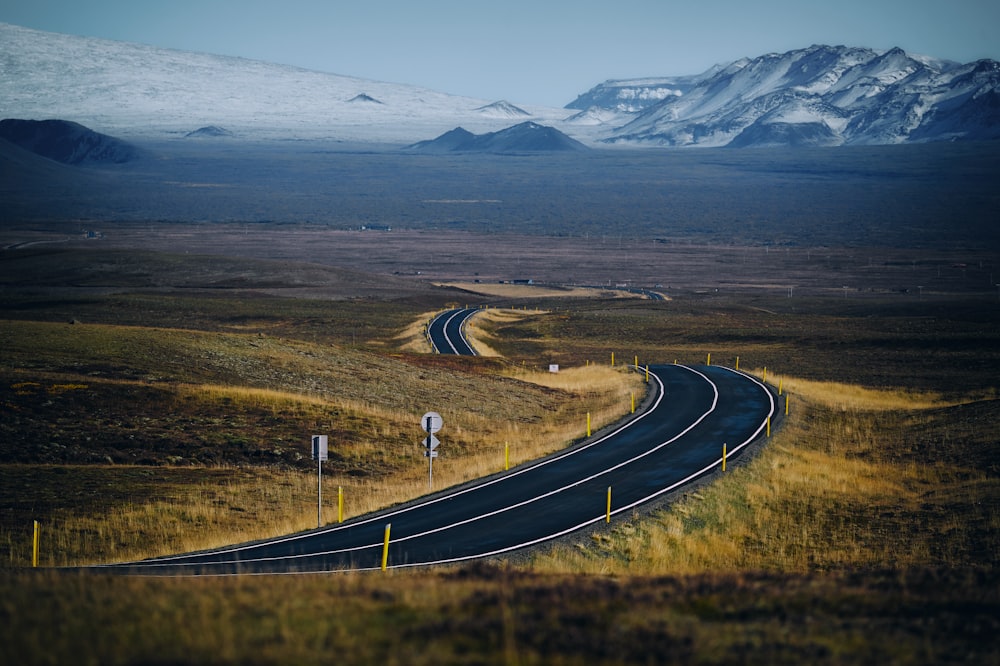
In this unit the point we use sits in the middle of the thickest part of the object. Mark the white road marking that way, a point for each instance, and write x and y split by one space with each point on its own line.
171 561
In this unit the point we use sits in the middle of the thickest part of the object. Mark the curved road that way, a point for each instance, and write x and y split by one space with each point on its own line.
694 411
446 332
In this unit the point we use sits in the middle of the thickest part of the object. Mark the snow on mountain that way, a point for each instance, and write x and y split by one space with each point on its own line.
136 91
503 109
839 95
635 95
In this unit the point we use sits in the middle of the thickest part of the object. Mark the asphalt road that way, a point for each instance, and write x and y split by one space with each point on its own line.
446 334
679 438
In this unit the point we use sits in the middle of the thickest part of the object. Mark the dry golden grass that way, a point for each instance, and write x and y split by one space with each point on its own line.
836 395
414 338
248 506
253 503
836 487
496 615
478 329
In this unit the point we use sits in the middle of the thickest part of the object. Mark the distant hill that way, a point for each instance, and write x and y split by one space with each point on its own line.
66 142
364 98
523 137
209 132
503 109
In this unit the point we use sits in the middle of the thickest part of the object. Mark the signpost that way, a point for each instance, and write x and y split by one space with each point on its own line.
431 422
320 452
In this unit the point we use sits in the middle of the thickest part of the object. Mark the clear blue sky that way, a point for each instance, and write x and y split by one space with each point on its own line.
529 52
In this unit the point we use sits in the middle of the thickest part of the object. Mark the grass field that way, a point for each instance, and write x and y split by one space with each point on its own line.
238 409
165 418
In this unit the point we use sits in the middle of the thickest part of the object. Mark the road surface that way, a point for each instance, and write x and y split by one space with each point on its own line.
446 332
678 439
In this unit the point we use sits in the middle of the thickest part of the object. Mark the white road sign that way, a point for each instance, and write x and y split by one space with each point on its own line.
430 454
320 449
431 422
431 442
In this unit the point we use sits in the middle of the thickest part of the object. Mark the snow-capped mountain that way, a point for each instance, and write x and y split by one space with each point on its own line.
136 91
820 95
825 95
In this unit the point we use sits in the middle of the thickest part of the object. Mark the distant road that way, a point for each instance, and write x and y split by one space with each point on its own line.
447 333
677 440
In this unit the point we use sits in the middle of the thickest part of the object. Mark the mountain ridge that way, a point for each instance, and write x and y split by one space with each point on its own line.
860 96
820 95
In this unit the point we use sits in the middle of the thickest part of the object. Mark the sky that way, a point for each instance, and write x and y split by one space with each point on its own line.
534 52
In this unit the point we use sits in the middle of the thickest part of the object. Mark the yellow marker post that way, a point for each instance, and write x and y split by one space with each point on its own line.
340 504
506 455
780 382
633 402
607 517
612 359
34 547
588 424
708 361
786 404
636 361
765 374
647 374
737 362
385 547
768 426
723 457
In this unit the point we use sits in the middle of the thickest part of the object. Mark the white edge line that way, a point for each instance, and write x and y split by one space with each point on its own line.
527 544
171 559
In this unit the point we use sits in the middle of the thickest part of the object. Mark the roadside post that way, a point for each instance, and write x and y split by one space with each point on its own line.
340 504
431 422
320 452
385 546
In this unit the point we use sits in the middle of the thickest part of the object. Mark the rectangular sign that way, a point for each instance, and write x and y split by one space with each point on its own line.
320 451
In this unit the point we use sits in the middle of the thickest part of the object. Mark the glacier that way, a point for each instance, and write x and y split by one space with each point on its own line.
820 95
